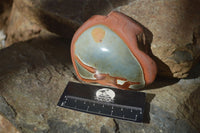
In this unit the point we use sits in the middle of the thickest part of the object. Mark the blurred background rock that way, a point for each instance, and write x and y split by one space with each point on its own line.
35 64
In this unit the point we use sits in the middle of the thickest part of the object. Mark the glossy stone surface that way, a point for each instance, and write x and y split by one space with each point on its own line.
35 74
105 50
108 55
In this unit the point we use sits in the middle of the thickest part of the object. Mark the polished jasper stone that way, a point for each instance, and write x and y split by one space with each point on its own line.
101 54
108 56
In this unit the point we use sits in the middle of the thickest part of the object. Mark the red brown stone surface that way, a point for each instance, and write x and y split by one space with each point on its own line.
175 32
34 73
173 26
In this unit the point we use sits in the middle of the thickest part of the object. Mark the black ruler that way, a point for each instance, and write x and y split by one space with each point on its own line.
105 101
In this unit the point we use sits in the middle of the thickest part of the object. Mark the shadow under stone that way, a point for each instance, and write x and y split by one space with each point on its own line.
161 82
163 69
194 72
149 98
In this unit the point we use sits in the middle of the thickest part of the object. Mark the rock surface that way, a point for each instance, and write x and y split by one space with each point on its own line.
34 75
175 27
2 39
64 17
6 126
5 8
29 17
20 28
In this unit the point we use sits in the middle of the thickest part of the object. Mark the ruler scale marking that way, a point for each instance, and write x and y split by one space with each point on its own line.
126 105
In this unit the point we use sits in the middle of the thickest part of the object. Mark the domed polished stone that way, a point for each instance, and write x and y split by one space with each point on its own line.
104 50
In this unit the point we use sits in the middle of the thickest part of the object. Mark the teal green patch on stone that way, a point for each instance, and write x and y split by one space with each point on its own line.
83 72
110 56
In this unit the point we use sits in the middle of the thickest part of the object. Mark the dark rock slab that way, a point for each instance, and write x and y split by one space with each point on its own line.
33 75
